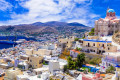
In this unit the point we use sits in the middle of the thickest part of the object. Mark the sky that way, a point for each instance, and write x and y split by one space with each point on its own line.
14 12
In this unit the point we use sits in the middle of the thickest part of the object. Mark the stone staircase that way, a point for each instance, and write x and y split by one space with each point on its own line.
116 40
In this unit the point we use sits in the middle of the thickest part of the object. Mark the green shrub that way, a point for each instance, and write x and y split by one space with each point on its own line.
110 69
92 32
76 39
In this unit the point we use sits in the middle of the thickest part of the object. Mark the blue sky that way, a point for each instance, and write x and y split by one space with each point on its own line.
13 12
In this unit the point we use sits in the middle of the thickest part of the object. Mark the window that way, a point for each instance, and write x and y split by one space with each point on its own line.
93 44
108 48
110 14
99 44
102 45
88 44
30 60
40 62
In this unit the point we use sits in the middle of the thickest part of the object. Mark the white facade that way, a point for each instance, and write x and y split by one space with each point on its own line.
74 53
54 66
109 59
78 45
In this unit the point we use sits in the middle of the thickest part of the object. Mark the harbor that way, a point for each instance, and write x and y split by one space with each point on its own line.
10 41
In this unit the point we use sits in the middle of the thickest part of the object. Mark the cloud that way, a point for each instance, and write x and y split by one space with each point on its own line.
5 5
54 10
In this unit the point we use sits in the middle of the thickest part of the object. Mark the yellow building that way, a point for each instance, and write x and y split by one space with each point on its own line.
35 61
29 51
40 52
66 42
98 46
11 74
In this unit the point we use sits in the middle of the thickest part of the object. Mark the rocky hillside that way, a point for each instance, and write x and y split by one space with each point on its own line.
53 26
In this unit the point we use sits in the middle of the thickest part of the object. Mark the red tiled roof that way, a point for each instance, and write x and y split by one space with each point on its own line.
76 51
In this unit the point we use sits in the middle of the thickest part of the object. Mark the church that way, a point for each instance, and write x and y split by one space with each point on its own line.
107 26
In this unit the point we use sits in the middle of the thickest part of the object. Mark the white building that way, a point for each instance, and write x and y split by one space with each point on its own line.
78 45
74 53
23 65
110 59
54 66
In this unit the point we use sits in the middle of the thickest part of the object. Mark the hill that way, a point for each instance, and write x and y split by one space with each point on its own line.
52 26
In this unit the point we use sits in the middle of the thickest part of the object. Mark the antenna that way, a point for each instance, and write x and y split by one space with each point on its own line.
108 8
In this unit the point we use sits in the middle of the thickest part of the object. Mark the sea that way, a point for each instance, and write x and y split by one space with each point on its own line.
12 38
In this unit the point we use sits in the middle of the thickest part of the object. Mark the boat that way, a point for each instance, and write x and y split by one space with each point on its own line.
7 42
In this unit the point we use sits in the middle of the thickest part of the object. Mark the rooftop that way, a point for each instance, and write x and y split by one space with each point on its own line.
95 40
110 10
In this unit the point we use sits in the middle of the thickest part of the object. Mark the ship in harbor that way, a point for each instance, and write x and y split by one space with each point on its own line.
7 42
14 39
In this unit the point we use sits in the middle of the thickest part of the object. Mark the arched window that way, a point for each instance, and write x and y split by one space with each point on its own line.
111 14
93 44
102 45
88 44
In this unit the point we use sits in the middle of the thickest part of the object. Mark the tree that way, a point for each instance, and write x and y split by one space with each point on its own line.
80 59
78 49
44 63
71 63
65 68
83 36
92 32
76 39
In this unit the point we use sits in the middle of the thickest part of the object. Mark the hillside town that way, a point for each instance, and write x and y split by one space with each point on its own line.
95 56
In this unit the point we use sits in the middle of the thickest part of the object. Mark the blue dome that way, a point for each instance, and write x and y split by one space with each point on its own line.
111 10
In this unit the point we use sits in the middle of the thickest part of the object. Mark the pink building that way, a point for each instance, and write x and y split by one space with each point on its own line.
107 26
91 76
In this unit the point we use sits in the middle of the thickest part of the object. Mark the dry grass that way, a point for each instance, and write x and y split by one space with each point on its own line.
62 56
